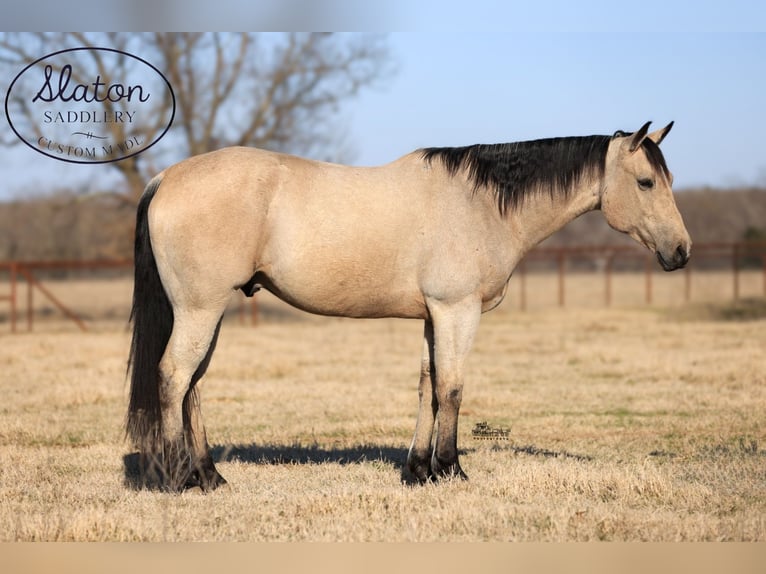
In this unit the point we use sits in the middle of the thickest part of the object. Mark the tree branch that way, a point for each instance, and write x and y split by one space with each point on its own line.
280 92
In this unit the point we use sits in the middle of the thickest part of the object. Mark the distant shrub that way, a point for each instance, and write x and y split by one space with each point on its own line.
755 247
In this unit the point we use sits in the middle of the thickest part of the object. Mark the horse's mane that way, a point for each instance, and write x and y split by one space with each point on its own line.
514 170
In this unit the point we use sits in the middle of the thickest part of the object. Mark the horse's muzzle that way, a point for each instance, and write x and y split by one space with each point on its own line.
677 260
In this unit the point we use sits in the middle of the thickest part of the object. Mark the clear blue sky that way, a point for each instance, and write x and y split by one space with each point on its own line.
541 70
464 88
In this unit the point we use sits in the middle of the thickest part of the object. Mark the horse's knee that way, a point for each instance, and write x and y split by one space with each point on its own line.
451 397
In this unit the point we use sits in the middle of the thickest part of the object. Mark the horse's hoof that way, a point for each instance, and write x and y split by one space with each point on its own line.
448 471
206 480
420 467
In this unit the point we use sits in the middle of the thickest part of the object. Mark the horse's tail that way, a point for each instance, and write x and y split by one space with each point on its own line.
152 318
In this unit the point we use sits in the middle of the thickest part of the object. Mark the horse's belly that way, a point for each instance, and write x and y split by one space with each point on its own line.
346 295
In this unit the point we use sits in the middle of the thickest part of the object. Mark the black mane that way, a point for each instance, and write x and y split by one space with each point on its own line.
514 170
554 166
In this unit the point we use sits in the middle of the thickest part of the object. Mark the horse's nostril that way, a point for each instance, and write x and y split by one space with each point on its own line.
682 255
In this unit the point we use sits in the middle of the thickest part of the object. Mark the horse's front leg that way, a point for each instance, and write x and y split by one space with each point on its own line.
454 329
419 456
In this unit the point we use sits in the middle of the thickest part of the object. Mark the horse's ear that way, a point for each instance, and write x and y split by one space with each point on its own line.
638 137
659 135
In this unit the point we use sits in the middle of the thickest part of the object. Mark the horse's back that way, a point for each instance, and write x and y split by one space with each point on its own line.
307 227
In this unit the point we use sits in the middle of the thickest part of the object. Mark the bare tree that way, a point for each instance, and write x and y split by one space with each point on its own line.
276 91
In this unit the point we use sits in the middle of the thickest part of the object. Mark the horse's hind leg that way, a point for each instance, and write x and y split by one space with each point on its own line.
204 473
185 457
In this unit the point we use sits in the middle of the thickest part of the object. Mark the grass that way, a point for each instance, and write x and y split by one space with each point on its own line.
626 424
746 309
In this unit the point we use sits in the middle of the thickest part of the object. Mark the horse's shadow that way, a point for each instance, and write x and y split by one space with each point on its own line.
280 454
277 454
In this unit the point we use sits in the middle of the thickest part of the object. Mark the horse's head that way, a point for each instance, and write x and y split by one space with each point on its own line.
637 198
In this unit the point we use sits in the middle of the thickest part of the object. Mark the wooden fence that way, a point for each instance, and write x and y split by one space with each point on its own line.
604 261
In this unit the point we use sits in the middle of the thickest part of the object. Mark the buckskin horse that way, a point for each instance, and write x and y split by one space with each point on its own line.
434 235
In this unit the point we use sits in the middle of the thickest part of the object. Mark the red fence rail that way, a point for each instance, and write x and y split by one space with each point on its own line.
27 269
729 256
561 260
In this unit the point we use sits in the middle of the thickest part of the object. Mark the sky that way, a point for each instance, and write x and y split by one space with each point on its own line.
498 71
465 88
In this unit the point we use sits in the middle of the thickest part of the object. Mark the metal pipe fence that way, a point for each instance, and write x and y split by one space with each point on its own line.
594 265
604 260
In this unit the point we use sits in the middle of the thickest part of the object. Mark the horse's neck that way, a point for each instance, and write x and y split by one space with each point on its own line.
542 215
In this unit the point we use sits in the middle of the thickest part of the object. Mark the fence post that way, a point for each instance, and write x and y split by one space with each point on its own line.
687 284
608 276
13 274
30 303
523 285
648 270
764 274
29 276
735 269
254 310
561 262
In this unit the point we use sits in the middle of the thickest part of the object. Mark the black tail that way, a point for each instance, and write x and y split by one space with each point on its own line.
152 318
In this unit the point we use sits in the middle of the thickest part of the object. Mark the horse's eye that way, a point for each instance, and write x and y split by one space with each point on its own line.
646 184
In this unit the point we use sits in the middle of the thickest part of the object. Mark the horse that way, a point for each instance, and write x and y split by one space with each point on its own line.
433 235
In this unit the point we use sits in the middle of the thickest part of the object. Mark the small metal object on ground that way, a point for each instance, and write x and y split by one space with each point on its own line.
482 431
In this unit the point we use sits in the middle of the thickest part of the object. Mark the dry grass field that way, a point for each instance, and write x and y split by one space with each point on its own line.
628 424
